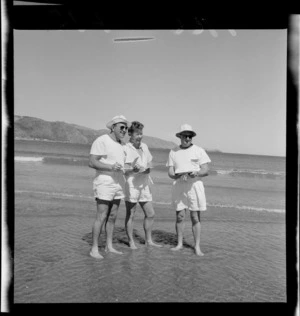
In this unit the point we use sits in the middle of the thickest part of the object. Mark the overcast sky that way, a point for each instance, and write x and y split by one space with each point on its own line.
230 86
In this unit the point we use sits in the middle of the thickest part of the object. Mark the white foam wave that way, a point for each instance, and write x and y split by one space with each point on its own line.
57 194
249 171
239 207
162 203
247 208
229 206
28 159
223 171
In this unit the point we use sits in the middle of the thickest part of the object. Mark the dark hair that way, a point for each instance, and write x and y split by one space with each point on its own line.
135 125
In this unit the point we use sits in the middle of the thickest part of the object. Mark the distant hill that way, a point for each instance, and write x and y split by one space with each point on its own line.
26 127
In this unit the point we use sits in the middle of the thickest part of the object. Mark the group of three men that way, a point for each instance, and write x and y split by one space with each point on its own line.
123 172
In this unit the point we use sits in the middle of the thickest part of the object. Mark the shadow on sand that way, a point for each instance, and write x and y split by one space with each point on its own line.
120 237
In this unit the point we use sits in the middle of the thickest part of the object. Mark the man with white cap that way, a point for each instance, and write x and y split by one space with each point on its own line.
107 157
187 164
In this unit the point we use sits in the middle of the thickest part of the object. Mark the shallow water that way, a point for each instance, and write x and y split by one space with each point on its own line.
244 257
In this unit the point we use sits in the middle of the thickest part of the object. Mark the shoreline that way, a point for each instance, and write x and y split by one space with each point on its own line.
164 211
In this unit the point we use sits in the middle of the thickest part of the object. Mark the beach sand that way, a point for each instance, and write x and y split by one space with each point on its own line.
244 257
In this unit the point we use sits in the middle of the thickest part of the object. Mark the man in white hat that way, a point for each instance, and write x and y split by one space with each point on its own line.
107 157
187 164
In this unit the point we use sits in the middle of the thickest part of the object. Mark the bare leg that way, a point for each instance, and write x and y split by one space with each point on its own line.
180 215
148 222
130 211
196 227
102 211
110 225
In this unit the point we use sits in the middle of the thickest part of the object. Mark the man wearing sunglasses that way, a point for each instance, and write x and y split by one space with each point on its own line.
187 164
107 157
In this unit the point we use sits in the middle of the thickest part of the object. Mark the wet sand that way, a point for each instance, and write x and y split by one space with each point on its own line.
244 257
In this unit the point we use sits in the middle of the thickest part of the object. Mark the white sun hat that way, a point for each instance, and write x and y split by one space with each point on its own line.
186 128
117 119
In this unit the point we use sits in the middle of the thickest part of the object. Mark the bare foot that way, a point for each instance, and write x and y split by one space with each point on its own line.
113 250
95 254
132 245
151 243
177 248
199 252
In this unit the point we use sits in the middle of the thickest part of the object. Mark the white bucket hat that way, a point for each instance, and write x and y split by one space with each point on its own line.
117 119
185 128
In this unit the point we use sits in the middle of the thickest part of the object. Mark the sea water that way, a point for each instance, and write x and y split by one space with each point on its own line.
243 182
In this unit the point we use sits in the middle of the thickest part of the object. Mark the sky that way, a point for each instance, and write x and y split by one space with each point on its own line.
230 86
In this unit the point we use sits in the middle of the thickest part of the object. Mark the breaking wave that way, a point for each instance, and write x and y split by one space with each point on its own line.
80 161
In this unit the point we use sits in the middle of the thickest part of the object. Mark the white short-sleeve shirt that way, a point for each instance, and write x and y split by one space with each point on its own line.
189 193
187 160
141 156
138 184
111 150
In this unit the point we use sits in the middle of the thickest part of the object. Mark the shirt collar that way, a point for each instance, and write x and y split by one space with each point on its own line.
191 145
130 144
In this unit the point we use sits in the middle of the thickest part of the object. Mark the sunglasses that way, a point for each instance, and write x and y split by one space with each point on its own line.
187 135
123 128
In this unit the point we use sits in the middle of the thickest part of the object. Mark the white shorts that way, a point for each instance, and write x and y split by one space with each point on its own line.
188 194
138 189
109 187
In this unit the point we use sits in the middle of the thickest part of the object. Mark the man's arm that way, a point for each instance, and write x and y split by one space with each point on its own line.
95 163
203 172
171 173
